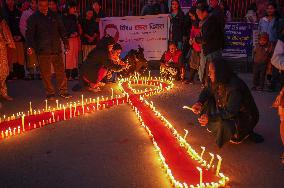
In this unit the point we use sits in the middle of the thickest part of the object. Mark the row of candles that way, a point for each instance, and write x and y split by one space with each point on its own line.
182 140
101 103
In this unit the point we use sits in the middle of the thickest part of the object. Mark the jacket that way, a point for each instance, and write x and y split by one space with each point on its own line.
45 32
177 27
212 35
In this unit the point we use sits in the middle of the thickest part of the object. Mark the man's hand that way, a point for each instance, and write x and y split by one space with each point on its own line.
203 120
196 108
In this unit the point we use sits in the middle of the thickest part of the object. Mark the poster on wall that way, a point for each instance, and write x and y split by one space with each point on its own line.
149 32
238 40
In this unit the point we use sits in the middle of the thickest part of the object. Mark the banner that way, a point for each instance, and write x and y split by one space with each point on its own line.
150 32
238 40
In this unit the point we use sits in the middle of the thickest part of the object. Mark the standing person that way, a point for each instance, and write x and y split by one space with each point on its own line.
211 38
217 12
16 57
279 104
177 27
227 14
226 107
148 8
53 5
72 27
90 33
98 12
261 57
194 60
47 44
251 15
32 63
269 24
6 40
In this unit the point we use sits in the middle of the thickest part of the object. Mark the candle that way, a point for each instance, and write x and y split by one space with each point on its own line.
212 159
53 116
23 122
31 110
111 93
186 132
57 104
203 150
83 104
46 105
218 165
70 110
64 116
149 74
200 175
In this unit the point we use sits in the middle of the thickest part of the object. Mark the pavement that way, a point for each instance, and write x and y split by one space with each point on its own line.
108 148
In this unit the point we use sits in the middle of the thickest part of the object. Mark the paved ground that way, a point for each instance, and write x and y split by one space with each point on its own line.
108 149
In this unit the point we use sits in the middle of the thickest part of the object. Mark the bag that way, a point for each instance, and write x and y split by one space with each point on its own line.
277 59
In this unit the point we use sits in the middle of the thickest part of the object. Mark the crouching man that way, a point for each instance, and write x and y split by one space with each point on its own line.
226 107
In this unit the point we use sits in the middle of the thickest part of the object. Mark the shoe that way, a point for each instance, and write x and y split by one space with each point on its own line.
50 97
239 140
65 95
7 98
256 138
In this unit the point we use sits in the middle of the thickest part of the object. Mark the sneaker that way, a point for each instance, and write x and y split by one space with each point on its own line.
256 138
239 140
50 97
65 95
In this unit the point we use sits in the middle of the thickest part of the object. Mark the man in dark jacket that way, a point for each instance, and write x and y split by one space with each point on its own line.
226 107
45 31
211 39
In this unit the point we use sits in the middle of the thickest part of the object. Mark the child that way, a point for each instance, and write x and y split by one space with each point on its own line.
262 54
72 28
172 65
194 60
90 35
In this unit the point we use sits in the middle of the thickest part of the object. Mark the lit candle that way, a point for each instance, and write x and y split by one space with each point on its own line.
83 104
70 110
218 165
64 112
212 159
23 122
186 132
31 110
57 107
111 93
46 105
200 175
149 74
202 153
53 116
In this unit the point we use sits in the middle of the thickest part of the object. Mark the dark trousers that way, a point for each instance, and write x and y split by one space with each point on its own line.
71 73
45 62
192 73
259 71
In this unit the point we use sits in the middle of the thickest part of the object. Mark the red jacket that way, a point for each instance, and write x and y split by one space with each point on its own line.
195 31
175 58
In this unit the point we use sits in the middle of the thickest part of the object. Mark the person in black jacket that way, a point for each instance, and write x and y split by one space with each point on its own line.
177 26
211 39
45 31
226 107
16 57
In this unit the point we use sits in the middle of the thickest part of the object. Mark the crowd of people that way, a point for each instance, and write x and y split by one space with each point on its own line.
42 37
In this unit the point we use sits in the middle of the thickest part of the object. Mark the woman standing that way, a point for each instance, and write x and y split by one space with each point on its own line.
6 40
90 33
177 29
72 28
